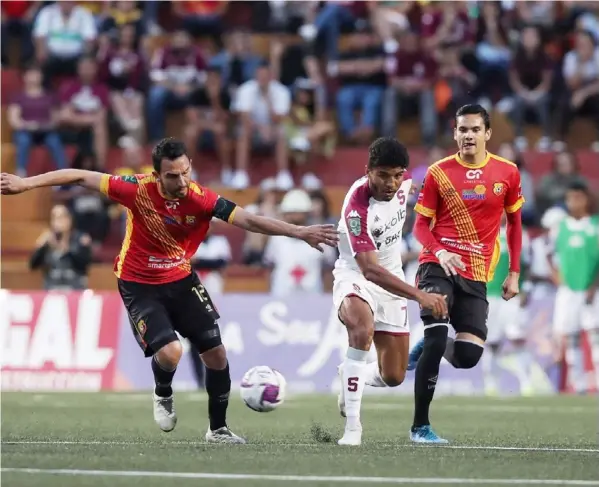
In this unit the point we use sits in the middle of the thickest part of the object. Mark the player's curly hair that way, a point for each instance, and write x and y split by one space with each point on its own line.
169 148
387 152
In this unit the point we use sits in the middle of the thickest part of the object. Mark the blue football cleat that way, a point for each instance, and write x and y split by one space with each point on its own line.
425 434
415 354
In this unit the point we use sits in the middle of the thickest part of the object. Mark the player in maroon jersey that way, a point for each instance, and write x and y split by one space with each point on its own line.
168 216
459 209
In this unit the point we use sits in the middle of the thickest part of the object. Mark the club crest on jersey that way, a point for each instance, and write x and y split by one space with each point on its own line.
190 220
498 188
354 222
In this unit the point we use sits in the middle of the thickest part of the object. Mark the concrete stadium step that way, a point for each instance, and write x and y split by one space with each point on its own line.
33 206
21 235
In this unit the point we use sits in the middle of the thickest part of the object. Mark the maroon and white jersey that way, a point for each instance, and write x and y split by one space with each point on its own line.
370 225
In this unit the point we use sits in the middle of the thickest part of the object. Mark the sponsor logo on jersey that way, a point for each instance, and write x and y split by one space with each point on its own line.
172 220
171 205
474 194
474 174
354 222
498 188
127 179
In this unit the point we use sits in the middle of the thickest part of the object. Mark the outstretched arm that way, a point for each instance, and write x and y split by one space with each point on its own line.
11 184
313 235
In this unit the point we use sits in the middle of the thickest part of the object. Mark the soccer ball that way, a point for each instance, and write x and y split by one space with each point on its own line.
263 388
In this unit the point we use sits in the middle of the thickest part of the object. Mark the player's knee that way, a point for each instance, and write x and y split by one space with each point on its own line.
467 354
393 378
435 340
215 358
170 354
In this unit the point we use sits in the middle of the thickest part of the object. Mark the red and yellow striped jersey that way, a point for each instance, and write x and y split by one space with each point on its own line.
466 204
162 234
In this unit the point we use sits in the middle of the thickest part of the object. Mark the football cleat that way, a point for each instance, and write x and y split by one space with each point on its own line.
164 413
415 354
341 396
223 435
351 437
425 434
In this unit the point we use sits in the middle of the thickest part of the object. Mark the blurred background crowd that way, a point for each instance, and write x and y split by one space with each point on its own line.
277 101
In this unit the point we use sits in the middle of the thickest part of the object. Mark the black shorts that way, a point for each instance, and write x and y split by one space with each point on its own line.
156 311
466 299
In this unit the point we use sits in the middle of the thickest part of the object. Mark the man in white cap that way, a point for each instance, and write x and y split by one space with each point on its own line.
294 268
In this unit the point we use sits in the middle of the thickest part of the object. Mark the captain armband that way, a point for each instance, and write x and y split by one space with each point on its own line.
224 209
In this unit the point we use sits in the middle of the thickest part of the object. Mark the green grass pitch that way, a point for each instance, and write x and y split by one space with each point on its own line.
91 440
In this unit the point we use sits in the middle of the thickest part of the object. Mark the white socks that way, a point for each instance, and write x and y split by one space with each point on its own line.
354 372
372 375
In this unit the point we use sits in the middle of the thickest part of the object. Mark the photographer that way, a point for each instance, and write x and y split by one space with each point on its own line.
63 253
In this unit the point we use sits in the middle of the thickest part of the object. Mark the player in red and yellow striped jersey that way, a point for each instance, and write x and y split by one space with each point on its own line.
168 216
460 208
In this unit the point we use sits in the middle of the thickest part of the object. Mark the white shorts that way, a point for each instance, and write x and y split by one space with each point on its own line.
506 320
571 314
390 312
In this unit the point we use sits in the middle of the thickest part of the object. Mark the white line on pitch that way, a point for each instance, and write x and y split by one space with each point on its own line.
299 478
249 445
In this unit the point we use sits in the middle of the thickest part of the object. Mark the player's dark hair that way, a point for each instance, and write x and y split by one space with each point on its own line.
387 152
169 148
474 109
578 186
582 187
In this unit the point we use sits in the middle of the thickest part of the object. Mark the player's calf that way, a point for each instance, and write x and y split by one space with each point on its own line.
357 317
164 366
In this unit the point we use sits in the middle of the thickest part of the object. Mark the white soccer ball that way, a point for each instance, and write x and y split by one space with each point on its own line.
263 388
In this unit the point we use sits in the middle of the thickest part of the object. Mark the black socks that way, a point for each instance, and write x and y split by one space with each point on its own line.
163 379
218 387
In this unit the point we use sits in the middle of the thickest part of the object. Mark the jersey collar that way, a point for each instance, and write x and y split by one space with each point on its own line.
461 162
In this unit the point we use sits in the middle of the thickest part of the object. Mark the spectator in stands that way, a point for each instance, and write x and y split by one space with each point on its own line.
210 261
122 69
63 32
17 21
85 103
283 15
201 17
419 171
581 74
553 186
237 63
511 153
295 268
90 210
63 253
530 78
493 55
120 14
208 115
454 86
412 88
446 23
291 62
362 81
177 71
266 205
390 19
320 214
308 131
262 104
33 115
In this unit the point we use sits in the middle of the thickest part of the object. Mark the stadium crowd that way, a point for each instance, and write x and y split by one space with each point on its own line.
338 72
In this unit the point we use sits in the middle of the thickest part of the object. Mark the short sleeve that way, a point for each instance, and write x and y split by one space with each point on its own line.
243 99
428 197
122 189
88 26
204 201
270 251
513 198
355 218
569 67
282 101
42 23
